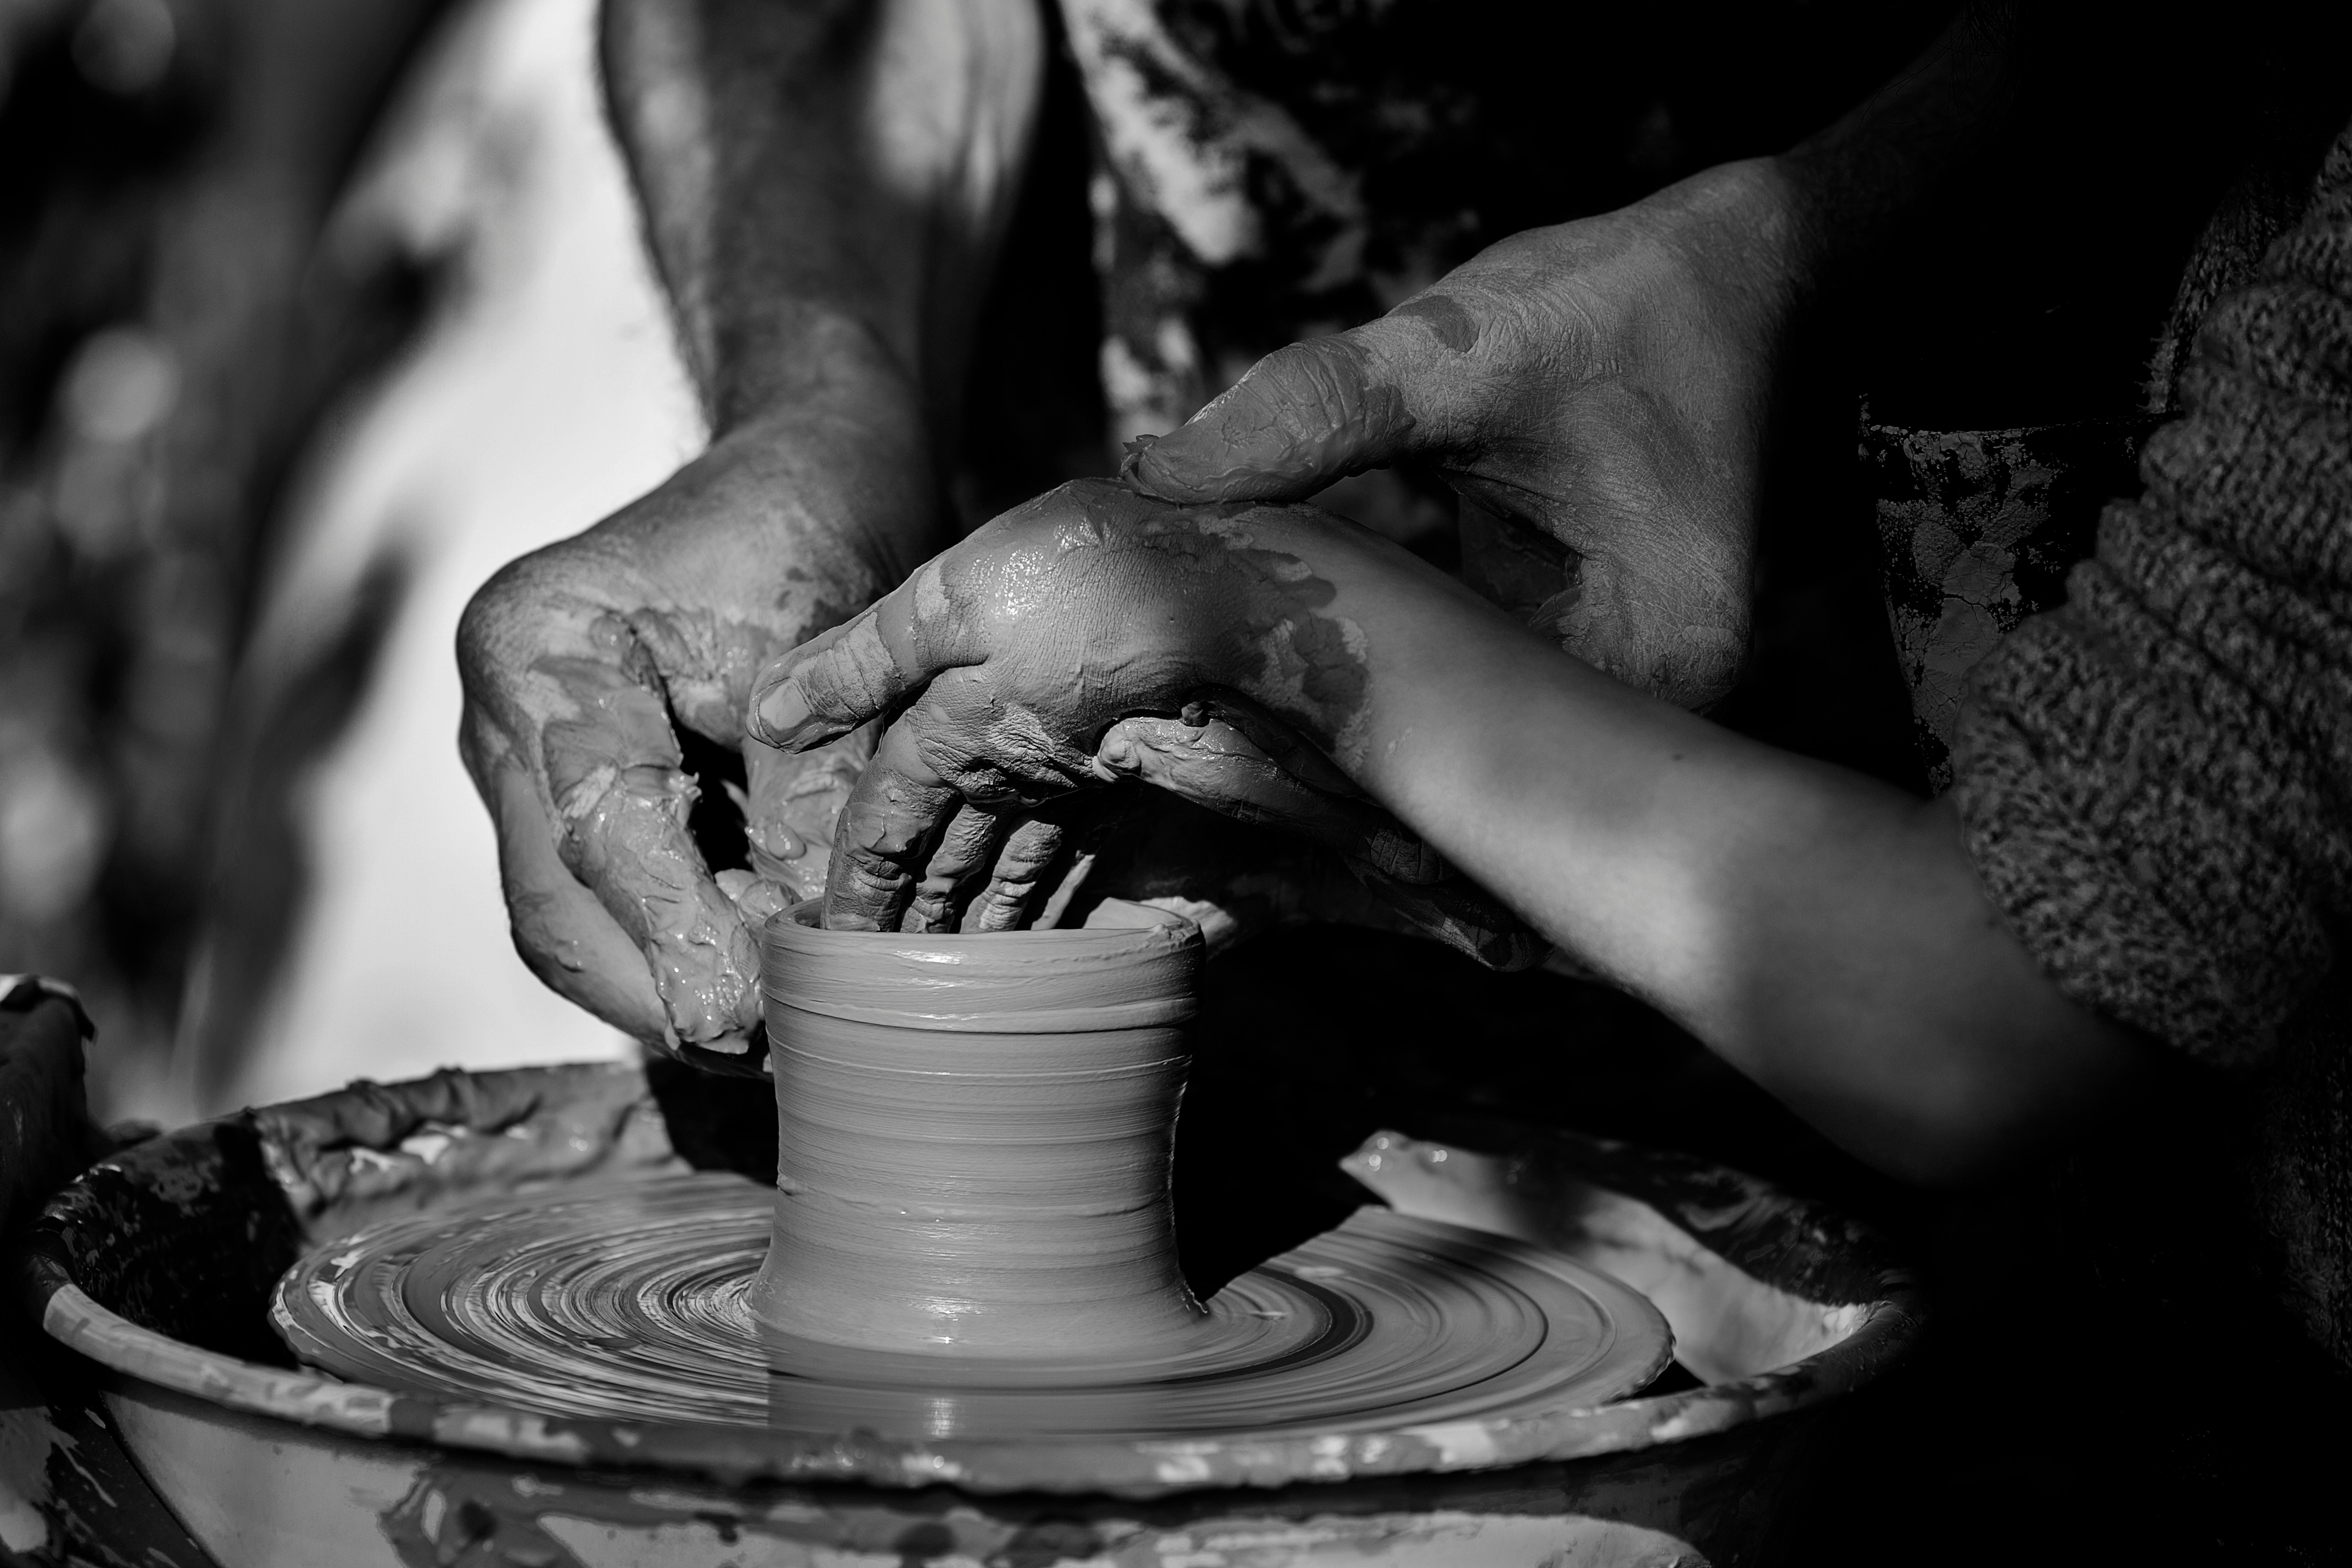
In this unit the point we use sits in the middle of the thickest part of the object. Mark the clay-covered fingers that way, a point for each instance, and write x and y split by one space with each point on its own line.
792 803
1213 763
962 742
1316 412
861 670
965 848
561 930
984 870
568 738
884 842
1030 851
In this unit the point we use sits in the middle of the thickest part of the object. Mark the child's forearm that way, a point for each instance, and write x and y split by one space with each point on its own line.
1825 932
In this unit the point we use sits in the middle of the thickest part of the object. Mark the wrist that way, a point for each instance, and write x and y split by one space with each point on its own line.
1748 228
851 449
1786 233
802 360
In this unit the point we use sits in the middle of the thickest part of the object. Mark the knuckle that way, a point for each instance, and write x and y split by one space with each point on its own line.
1316 374
872 869
495 608
854 674
514 614
511 593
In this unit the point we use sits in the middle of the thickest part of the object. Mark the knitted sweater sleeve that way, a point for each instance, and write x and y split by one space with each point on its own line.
2156 781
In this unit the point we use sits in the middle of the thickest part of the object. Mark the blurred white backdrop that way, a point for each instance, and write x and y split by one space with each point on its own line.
545 392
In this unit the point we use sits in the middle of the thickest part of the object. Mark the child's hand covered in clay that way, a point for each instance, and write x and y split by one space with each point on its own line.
1089 635
1595 391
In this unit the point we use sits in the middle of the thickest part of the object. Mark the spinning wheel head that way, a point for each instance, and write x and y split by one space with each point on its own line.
631 1303
970 1236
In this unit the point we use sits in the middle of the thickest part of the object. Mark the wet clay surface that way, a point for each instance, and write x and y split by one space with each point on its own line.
1006 665
629 1303
188 1234
971 1238
623 801
374 1123
1078 581
973 1141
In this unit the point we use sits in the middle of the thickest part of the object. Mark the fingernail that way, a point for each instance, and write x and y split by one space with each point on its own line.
777 841
1149 467
1131 467
783 712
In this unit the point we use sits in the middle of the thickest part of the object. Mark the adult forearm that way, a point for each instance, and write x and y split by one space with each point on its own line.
823 184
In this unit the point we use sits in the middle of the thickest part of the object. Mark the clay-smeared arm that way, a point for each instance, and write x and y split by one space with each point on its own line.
1825 932
823 184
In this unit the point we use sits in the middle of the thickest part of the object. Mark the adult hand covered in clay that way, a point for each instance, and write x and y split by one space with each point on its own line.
1594 392
1090 635
578 660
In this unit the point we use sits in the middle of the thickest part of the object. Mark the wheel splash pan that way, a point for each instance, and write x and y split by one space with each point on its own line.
159 1265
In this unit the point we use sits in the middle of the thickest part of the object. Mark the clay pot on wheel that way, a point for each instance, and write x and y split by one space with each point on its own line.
973 1140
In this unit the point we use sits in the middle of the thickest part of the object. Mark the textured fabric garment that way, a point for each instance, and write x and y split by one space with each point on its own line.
2156 781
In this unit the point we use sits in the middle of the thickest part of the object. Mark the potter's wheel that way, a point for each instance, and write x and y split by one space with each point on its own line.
628 1303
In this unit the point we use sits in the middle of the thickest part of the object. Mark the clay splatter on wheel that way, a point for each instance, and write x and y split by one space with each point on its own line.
970 1236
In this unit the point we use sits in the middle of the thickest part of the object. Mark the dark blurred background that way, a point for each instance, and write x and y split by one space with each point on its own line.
175 331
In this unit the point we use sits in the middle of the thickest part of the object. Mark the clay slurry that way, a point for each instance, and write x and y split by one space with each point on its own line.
629 1302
